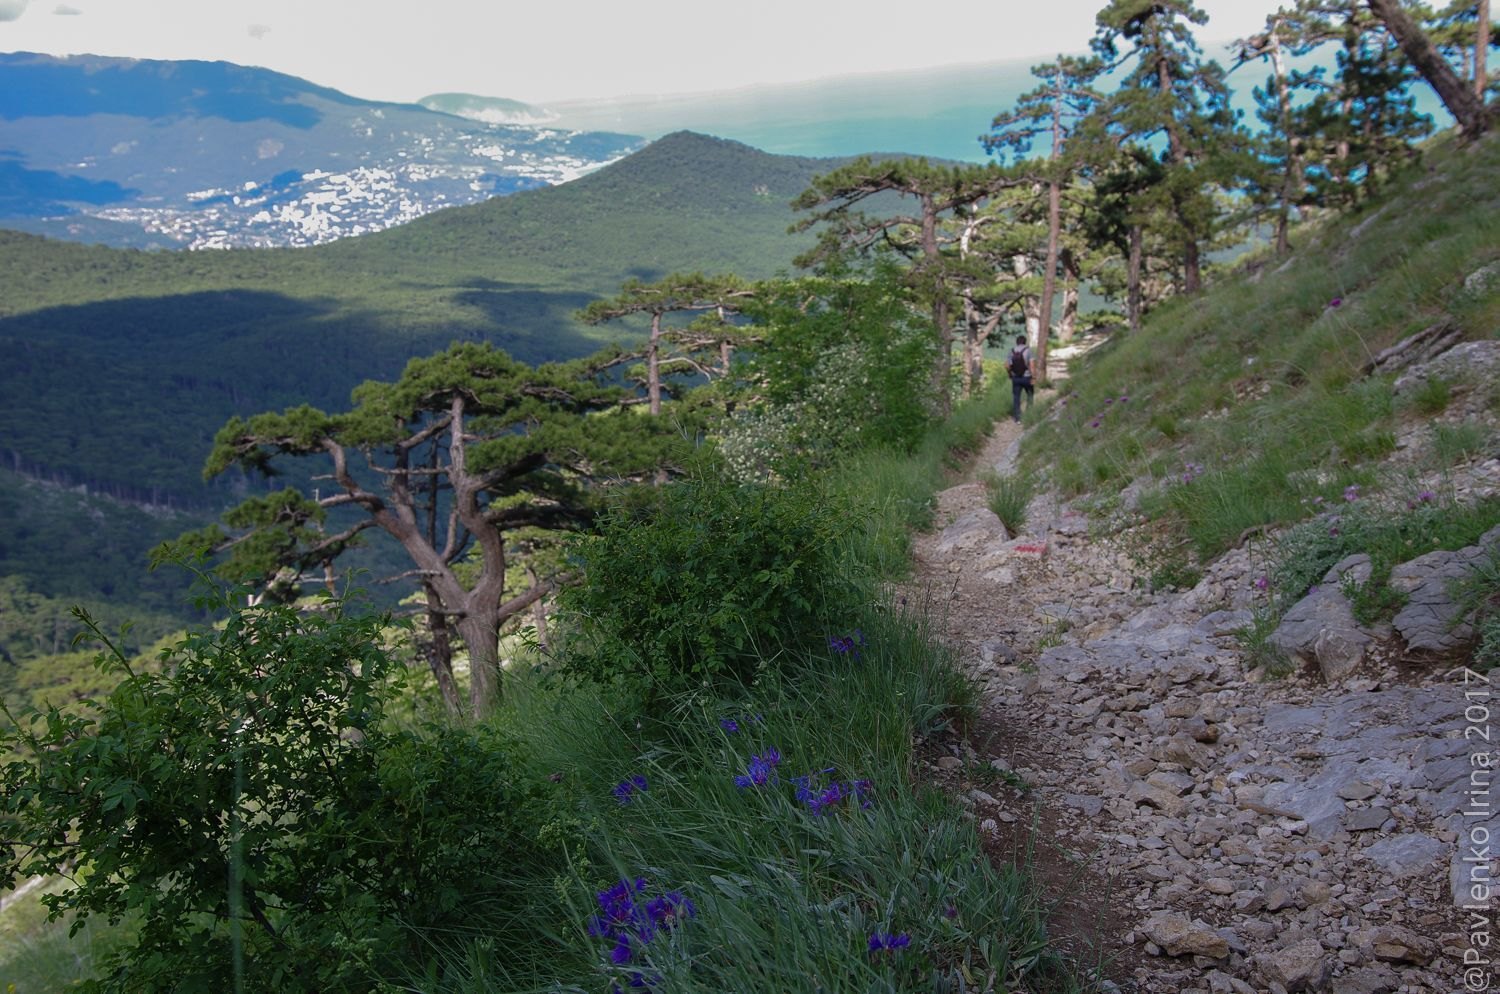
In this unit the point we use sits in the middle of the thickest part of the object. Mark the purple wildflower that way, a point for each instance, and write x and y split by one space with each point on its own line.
760 769
950 912
1261 583
885 940
1426 496
848 645
627 788
1094 423
729 725
1336 302
1351 492
1125 399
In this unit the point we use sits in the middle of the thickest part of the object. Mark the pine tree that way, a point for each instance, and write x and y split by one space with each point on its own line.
1066 97
1172 93
467 447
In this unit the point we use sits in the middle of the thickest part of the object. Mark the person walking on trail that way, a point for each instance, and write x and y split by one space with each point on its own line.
1022 368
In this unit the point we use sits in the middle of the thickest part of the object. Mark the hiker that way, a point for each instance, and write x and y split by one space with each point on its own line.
1022 369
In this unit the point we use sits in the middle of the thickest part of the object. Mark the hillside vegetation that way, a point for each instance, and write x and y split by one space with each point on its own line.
1261 390
159 349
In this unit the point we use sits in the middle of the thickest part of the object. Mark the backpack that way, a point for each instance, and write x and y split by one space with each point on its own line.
1019 368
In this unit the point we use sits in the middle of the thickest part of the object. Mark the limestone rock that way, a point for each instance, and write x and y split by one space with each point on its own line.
972 529
1430 620
1300 967
1177 935
1406 854
1320 628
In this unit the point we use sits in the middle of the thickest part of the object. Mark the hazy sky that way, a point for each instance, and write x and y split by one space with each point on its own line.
543 50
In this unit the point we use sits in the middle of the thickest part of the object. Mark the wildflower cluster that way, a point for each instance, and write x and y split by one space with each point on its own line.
820 800
1109 402
628 921
1191 471
626 789
1351 493
848 645
761 769
1425 497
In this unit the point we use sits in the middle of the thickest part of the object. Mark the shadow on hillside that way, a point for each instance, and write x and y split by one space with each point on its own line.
532 324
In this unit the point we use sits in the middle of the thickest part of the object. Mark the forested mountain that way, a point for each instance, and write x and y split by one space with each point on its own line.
193 154
122 364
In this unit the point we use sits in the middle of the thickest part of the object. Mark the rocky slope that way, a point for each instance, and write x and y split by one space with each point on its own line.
1205 827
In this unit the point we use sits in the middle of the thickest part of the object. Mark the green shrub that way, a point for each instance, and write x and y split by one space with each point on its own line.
708 582
253 813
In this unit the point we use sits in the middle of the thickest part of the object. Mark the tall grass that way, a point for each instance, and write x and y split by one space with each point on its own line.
784 896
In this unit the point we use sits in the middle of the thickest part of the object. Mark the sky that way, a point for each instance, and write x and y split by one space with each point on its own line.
554 50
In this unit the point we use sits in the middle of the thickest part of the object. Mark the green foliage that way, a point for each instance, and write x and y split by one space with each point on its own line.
256 818
839 365
709 581
1008 497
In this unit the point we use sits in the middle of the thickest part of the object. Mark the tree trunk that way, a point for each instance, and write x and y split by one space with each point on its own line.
943 361
1192 274
1067 326
1133 278
440 655
1072 277
653 364
480 630
1482 51
1049 275
538 611
1466 108
1291 180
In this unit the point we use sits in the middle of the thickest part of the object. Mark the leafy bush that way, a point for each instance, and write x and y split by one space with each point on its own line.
841 366
250 808
709 580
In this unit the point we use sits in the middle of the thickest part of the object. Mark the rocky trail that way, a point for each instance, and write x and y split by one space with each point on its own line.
1198 828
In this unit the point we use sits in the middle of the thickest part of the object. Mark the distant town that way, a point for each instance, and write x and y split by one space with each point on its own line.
322 206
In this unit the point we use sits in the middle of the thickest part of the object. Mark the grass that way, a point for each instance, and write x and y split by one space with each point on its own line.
784 896
1009 497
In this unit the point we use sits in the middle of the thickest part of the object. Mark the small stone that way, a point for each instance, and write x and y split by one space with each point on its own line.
1218 885
1278 899
1301 967
1315 892
949 762
1366 819
1357 791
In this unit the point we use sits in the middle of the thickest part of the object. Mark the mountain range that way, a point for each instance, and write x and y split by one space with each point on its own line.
214 155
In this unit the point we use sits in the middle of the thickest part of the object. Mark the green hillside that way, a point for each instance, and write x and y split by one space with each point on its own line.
122 364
